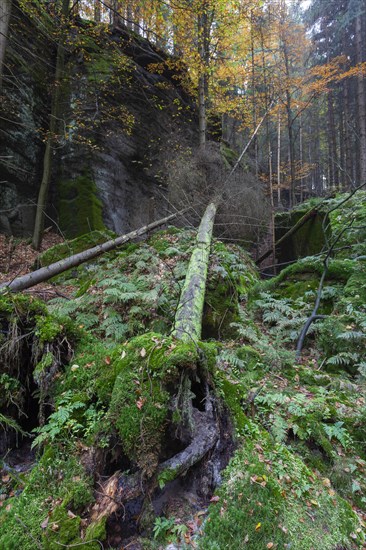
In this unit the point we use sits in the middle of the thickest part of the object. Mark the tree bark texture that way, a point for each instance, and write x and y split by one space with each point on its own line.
45 273
361 99
188 319
5 10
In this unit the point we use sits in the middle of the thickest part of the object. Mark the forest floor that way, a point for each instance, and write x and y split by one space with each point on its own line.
17 257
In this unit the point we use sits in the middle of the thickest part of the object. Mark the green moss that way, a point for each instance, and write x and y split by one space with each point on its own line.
270 496
220 310
169 474
80 208
50 484
96 531
92 371
233 395
61 530
306 241
148 373
355 289
230 277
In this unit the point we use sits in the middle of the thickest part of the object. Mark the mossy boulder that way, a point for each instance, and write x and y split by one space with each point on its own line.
306 241
79 206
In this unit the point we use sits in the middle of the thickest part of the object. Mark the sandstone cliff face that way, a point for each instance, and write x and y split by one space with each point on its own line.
119 119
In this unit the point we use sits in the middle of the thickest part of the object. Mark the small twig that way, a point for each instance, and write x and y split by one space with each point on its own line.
36 541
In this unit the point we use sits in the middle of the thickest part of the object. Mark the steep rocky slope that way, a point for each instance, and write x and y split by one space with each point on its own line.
121 116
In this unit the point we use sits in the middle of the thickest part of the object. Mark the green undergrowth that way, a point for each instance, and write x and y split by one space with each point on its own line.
270 499
111 380
137 288
45 513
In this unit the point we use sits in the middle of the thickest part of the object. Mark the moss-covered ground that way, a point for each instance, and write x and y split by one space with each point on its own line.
111 385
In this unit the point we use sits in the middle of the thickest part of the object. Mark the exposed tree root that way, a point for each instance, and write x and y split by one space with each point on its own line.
120 488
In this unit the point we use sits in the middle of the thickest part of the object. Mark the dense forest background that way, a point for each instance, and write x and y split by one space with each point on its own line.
201 384
207 72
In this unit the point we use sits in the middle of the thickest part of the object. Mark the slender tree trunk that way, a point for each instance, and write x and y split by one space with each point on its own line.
254 105
97 11
342 142
347 133
279 159
290 129
332 143
301 157
361 99
129 16
136 22
5 10
47 160
201 110
270 170
203 29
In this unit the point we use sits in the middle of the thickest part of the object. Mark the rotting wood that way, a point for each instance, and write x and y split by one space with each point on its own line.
45 273
120 488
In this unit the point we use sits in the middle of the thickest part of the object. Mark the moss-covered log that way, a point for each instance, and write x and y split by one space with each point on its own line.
188 320
45 273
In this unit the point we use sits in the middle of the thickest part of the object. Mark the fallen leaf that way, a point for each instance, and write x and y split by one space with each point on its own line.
123 354
45 523
55 527
143 352
270 545
71 514
74 368
246 539
215 499
140 403
258 526
107 360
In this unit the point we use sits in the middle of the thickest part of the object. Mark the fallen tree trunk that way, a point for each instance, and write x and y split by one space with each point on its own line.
121 488
188 319
45 273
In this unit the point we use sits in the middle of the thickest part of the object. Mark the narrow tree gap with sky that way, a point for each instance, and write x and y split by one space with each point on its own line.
183 274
